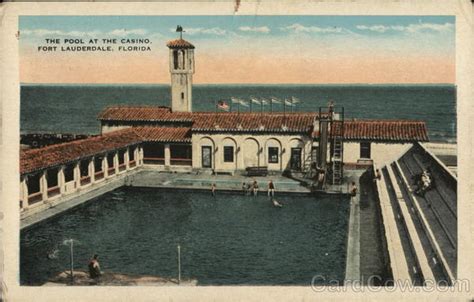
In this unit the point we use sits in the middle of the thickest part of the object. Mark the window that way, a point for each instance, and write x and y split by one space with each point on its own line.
273 155
364 150
98 163
175 59
69 173
182 95
84 167
228 154
110 160
121 157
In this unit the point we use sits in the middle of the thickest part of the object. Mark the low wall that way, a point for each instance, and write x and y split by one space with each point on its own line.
66 202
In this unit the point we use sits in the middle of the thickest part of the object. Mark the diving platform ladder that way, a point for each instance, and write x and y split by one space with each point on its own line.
331 138
337 164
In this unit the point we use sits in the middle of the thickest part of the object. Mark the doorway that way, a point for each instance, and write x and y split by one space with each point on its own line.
206 156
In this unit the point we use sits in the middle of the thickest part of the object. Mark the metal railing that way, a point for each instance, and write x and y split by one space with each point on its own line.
181 161
35 197
53 191
154 160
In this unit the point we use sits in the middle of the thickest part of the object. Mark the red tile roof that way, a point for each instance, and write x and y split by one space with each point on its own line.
37 159
386 130
179 43
164 134
143 114
215 121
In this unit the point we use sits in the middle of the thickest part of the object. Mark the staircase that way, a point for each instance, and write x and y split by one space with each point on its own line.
420 231
337 134
336 159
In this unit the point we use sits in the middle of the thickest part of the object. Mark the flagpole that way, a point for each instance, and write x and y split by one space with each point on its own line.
215 106
284 107
230 109
271 105
292 105
251 105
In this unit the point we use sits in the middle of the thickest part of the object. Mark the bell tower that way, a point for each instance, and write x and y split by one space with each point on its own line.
181 56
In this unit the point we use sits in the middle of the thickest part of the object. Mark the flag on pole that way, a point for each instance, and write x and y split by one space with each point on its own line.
288 103
243 103
255 101
295 100
275 100
223 105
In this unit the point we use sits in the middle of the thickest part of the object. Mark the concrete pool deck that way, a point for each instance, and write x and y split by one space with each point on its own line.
113 279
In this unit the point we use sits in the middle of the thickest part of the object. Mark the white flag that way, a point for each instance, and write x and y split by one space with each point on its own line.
275 100
255 101
295 100
288 103
243 103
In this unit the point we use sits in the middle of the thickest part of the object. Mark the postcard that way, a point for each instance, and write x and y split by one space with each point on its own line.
236 151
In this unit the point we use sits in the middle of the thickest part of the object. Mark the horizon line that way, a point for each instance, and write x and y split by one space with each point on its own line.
242 84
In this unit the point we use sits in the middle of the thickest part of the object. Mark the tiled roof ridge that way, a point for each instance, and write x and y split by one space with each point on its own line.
179 43
207 112
79 141
184 131
383 121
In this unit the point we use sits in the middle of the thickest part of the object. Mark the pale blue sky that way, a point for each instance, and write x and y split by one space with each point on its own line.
279 37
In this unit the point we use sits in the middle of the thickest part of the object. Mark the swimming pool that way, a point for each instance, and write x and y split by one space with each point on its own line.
229 239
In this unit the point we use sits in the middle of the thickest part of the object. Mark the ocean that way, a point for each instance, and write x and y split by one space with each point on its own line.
74 108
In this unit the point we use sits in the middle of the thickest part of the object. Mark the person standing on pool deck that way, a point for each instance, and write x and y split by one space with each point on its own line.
271 188
353 190
94 267
213 189
255 187
244 188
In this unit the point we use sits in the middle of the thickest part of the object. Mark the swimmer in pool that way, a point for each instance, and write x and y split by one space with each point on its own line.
276 203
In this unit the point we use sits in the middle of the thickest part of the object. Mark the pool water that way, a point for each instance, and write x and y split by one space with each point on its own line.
229 239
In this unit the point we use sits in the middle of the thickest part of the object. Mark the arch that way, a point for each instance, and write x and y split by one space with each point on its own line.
274 143
251 152
296 143
229 141
207 141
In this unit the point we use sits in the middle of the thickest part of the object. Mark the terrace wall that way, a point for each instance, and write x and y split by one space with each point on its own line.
249 150
381 153
49 196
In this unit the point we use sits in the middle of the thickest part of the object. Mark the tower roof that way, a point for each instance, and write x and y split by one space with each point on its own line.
180 43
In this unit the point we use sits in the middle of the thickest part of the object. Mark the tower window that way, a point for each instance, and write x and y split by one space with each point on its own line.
182 95
175 59
183 60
